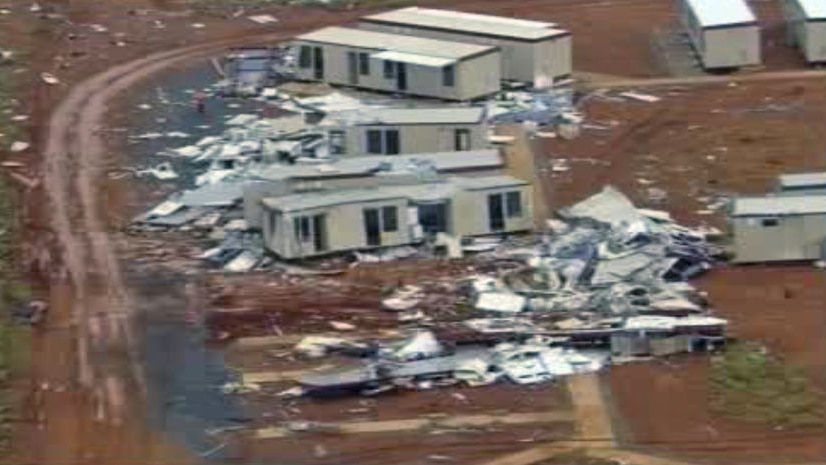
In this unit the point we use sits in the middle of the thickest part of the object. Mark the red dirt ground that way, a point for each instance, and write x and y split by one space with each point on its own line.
610 38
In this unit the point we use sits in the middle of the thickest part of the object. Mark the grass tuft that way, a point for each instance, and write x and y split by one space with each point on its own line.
749 384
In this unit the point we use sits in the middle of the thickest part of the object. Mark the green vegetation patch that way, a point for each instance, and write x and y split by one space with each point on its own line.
748 383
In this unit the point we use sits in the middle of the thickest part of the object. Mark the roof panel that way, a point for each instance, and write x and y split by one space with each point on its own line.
712 13
426 191
813 9
443 115
444 161
803 180
414 59
401 43
779 205
469 23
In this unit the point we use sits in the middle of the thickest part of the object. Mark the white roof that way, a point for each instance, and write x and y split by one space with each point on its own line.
439 115
799 180
813 9
469 22
721 12
394 42
501 302
779 205
414 59
443 161
424 192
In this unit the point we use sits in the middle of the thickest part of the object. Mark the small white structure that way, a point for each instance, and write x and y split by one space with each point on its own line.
724 33
532 51
802 183
399 63
806 20
779 228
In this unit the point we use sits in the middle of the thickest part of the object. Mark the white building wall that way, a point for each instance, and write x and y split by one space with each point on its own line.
731 47
552 61
470 212
815 41
799 237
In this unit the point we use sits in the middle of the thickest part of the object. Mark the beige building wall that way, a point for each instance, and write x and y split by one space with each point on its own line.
798 237
474 77
344 226
417 138
469 212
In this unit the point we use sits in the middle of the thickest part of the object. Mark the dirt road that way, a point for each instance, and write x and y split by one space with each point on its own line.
90 327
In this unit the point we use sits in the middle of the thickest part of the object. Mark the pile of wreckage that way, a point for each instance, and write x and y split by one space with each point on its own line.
606 285
225 163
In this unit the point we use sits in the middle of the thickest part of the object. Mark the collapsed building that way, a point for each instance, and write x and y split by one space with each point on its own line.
607 284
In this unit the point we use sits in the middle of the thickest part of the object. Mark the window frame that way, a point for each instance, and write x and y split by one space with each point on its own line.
389 70
510 211
305 57
364 64
386 225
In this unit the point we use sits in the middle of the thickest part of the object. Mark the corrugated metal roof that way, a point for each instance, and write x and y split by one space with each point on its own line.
461 15
400 43
798 180
779 205
443 161
721 12
416 192
470 23
414 59
440 115
813 9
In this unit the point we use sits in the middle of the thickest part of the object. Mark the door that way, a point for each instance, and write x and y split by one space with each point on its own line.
392 145
352 68
433 217
320 233
372 228
461 139
401 76
318 63
496 213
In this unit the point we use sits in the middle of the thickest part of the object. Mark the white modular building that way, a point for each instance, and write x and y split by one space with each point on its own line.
535 52
724 33
806 22
398 63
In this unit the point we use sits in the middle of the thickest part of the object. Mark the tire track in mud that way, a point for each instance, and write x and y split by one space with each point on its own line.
74 152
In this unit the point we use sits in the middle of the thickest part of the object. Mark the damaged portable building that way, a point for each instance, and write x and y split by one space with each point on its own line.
398 63
313 223
355 172
534 52
391 131
778 228
724 33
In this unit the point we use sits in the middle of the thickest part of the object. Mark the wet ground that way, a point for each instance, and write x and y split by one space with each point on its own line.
184 375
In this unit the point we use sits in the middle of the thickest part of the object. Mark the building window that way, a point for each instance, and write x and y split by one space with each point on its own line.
337 143
390 219
513 201
374 138
448 77
364 64
769 222
305 57
385 142
461 139
389 69
302 228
